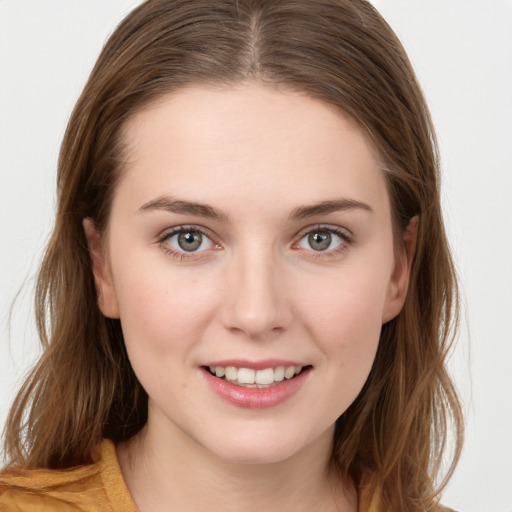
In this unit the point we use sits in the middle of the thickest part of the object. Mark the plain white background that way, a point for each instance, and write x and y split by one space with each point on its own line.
462 52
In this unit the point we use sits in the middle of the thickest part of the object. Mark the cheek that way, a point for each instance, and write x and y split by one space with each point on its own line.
344 316
347 330
350 302
161 310
163 317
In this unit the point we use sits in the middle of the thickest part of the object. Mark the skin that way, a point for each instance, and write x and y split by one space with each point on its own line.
258 290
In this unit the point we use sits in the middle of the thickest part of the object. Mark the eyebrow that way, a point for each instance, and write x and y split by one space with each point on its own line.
185 208
325 207
203 210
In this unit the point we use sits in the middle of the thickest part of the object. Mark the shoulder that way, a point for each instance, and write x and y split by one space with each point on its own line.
98 486
41 490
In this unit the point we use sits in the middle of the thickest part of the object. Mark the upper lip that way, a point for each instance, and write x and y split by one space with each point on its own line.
255 365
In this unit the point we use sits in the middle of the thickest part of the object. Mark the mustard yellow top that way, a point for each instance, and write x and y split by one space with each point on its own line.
98 487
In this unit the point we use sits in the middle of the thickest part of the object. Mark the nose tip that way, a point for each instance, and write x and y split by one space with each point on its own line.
255 328
257 305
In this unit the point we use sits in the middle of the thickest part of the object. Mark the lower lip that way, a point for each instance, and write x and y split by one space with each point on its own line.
256 398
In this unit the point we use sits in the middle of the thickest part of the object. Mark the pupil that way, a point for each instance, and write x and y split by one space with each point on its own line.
190 240
319 241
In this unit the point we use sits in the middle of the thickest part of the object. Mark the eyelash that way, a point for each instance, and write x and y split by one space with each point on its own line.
344 235
183 255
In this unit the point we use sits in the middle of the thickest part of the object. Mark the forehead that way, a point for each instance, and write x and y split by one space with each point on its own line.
251 142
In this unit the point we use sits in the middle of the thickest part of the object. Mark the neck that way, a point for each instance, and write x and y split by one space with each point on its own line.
179 474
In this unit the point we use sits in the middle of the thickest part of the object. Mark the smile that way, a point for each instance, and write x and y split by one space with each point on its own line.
250 378
256 385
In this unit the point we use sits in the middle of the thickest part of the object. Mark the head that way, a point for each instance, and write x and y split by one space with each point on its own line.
338 54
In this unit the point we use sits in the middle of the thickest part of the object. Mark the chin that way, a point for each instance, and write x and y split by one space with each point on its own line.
264 447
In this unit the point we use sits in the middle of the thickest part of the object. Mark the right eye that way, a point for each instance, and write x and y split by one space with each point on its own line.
185 241
189 240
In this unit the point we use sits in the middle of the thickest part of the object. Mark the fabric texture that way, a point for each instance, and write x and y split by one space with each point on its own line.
92 488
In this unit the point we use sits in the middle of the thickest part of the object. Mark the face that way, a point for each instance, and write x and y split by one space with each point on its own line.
250 258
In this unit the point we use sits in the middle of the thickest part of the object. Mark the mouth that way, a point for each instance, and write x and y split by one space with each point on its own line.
259 379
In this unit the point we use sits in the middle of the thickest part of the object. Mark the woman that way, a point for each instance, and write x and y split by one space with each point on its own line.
248 284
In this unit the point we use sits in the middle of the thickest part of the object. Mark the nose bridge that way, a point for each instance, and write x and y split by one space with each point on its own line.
256 297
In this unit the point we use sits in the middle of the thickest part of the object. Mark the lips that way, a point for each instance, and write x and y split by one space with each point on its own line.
255 385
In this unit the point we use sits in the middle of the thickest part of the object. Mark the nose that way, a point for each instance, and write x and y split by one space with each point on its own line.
257 303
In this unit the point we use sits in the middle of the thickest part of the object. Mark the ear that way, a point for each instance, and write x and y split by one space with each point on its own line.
107 300
397 289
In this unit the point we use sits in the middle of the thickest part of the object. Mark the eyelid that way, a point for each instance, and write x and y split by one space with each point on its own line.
337 230
180 228
184 255
343 233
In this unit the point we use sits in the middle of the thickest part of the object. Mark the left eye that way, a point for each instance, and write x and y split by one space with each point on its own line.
189 240
321 240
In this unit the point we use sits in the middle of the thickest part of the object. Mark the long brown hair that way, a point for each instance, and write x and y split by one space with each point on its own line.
342 52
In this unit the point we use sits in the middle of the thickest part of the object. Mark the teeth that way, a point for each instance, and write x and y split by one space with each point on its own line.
255 378
279 374
246 376
231 373
289 372
263 376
